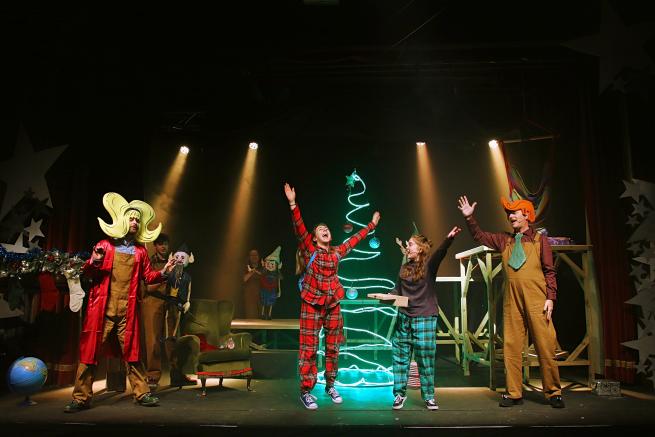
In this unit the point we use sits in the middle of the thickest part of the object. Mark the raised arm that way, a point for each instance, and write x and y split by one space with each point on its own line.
151 276
304 239
344 248
489 239
439 254
97 263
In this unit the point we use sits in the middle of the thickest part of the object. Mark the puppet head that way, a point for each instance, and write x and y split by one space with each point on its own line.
272 261
183 256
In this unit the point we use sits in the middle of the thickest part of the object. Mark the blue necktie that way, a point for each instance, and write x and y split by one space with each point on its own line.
517 258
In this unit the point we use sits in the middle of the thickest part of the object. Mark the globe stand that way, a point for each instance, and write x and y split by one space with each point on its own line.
27 402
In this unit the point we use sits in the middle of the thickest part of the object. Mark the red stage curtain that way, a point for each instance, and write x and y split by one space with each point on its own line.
602 161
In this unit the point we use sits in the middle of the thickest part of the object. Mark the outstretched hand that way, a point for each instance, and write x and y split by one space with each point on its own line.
465 207
169 266
402 247
290 192
454 231
376 218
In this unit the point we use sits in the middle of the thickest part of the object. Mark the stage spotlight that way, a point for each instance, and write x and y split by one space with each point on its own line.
253 146
427 191
163 196
237 233
420 143
499 168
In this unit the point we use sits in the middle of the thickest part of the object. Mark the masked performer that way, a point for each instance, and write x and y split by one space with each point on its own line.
117 266
530 293
321 294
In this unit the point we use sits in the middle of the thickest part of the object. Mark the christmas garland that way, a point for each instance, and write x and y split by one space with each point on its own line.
37 260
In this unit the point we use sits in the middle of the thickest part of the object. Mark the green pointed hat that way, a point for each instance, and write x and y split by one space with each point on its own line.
274 256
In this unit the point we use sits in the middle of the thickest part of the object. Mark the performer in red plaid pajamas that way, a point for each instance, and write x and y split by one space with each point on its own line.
321 294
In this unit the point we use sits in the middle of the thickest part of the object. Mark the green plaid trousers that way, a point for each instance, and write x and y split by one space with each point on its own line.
417 335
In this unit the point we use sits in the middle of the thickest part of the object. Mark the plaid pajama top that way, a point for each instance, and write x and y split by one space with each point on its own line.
321 285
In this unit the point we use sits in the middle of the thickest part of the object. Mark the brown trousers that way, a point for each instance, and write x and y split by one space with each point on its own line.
83 390
115 323
523 304
160 323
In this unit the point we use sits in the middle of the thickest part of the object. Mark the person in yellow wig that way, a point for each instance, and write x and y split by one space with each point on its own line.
117 266
530 293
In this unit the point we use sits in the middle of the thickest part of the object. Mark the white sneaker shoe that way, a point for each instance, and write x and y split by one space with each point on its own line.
398 402
308 400
431 404
334 395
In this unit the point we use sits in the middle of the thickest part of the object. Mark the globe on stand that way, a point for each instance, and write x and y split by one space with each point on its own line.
26 376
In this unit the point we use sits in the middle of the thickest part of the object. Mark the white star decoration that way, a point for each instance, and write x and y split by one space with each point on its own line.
632 189
645 230
644 299
634 247
34 230
26 170
640 208
617 46
645 345
642 285
637 271
650 251
17 247
632 220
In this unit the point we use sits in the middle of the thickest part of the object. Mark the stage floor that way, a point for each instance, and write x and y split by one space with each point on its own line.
273 406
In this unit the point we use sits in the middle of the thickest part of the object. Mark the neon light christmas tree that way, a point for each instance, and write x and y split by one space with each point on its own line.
364 371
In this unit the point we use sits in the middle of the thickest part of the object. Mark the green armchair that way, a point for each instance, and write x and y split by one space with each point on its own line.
206 327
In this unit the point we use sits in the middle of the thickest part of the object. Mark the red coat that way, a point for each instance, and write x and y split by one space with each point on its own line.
91 336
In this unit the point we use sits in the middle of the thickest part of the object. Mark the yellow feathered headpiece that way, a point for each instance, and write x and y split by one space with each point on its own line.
121 211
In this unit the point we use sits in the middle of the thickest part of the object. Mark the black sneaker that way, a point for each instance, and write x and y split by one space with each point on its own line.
506 401
431 404
76 406
334 395
147 400
556 402
398 402
308 401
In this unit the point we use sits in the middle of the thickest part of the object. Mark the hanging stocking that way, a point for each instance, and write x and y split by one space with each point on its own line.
49 292
76 294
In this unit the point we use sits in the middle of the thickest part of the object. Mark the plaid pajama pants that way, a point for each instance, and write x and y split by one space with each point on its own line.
418 335
312 318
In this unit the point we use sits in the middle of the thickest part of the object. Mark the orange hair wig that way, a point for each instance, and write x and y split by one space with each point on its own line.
522 204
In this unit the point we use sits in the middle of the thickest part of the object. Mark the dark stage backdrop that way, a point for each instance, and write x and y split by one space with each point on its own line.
328 128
